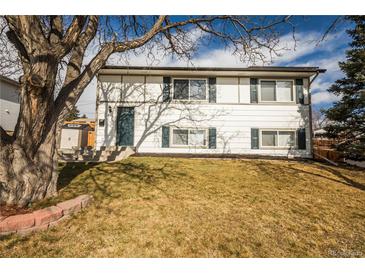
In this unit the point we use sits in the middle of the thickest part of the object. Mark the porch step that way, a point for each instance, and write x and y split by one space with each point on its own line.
121 155
105 154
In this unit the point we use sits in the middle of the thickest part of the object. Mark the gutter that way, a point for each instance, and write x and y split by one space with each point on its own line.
316 75
225 69
310 108
9 81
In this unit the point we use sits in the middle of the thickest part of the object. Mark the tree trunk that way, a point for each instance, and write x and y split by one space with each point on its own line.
24 179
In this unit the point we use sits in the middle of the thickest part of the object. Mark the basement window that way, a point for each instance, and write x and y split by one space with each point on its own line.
277 138
189 137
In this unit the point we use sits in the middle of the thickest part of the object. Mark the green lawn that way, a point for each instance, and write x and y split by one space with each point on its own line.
169 207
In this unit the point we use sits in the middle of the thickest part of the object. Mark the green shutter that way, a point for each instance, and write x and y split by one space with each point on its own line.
165 136
212 137
212 90
166 89
301 138
299 91
254 138
253 90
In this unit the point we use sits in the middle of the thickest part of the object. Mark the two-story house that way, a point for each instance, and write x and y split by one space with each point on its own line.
9 103
175 110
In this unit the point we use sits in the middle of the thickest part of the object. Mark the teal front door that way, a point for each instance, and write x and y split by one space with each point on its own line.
125 126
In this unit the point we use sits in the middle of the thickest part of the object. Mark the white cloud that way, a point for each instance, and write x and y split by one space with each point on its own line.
324 97
306 43
87 101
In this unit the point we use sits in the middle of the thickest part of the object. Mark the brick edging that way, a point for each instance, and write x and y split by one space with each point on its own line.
44 218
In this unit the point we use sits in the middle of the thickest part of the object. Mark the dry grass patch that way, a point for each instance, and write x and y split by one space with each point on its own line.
168 207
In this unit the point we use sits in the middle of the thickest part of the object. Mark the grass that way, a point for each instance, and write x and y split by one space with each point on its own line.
169 207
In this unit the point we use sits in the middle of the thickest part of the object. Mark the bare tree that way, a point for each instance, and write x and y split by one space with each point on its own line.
46 44
318 119
9 59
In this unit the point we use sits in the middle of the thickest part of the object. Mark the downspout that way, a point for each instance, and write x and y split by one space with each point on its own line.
310 110
97 102
314 78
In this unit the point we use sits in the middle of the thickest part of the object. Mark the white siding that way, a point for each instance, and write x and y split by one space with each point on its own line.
244 90
233 116
133 88
9 106
70 138
227 90
109 88
106 135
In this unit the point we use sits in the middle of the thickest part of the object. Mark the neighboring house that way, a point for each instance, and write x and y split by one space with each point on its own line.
9 103
254 110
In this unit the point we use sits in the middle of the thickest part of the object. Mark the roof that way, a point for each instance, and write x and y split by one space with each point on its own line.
83 120
224 71
75 126
9 81
251 68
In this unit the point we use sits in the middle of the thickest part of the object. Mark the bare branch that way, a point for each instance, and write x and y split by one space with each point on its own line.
78 52
157 27
330 29
56 31
71 36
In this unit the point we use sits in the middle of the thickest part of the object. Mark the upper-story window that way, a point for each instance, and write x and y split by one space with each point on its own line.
190 89
276 91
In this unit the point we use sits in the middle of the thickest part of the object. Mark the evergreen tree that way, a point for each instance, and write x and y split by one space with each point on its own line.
347 116
73 114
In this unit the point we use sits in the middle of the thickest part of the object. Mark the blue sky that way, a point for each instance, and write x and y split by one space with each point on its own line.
305 52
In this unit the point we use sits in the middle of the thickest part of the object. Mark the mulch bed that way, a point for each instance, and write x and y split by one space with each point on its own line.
6 211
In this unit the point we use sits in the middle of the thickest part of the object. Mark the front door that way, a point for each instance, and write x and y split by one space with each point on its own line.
125 126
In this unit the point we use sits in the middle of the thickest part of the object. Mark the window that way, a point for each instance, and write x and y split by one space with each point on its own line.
269 138
284 91
268 90
101 122
276 91
277 138
181 89
189 137
286 138
198 89
180 137
197 137
190 89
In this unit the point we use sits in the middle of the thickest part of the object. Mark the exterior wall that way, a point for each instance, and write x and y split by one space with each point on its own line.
74 138
9 105
84 137
70 138
232 115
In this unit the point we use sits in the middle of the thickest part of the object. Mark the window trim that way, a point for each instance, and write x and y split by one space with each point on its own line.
189 79
277 135
206 137
277 80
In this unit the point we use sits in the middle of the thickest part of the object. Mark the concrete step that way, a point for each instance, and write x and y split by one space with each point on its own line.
105 154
